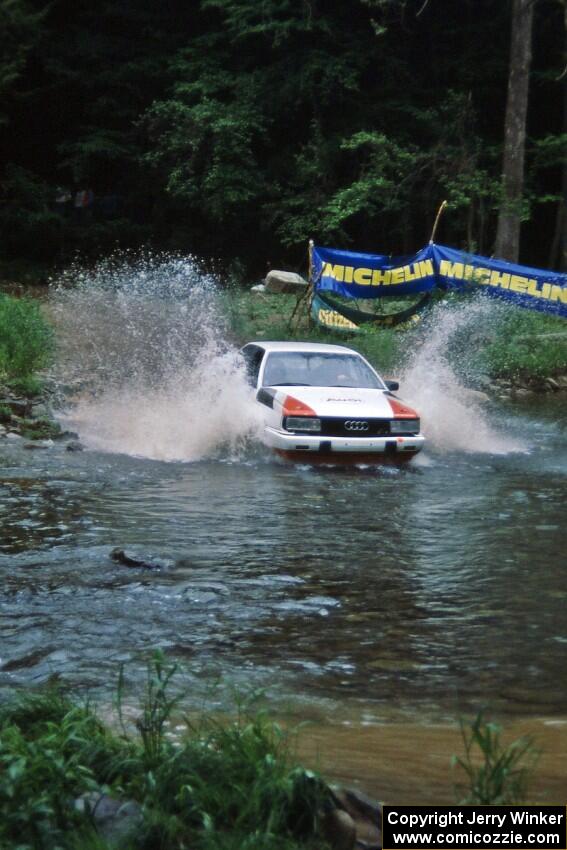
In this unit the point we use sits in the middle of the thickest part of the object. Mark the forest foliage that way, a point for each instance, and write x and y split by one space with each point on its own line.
239 129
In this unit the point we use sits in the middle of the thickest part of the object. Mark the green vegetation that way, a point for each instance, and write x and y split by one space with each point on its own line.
215 783
39 429
497 774
219 784
26 339
260 316
228 127
526 345
50 751
29 386
517 345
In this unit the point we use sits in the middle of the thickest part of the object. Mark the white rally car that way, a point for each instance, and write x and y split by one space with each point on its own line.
326 403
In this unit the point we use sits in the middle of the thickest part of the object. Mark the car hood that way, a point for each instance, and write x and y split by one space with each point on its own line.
344 401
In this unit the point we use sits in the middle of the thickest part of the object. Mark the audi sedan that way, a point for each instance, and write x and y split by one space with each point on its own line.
326 403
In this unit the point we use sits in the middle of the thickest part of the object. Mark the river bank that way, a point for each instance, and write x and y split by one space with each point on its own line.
29 416
515 353
153 775
79 783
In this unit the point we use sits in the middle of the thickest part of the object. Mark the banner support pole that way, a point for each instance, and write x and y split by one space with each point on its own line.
436 223
311 288
308 294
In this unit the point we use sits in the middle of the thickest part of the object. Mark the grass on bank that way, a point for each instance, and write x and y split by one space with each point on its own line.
26 343
515 344
525 344
218 785
493 773
260 316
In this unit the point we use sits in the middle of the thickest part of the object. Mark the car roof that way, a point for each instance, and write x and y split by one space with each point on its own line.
318 347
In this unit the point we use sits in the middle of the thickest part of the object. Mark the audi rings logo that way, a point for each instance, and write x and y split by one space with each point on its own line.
354 425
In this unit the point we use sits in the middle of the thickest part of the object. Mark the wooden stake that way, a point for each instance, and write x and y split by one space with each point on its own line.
436 223
308 294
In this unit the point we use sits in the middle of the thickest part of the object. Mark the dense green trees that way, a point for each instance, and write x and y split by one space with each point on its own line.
238 128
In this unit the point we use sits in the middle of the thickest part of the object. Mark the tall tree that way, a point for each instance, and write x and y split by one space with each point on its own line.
563 213
558 253
511 213
20 28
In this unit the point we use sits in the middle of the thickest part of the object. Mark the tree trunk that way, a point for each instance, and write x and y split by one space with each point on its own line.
558 251
563 208
510 215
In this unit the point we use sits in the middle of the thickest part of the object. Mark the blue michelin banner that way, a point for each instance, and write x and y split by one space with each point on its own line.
355 275
535 289
372 275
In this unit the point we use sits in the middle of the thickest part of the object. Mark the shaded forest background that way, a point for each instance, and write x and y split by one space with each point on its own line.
238 129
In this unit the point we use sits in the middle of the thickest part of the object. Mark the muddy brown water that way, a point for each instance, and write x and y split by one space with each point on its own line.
381 605
410 763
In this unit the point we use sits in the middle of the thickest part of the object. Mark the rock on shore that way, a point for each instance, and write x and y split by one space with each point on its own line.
518 388
30 418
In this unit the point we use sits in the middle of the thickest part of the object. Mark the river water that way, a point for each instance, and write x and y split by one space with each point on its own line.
434 589
364 594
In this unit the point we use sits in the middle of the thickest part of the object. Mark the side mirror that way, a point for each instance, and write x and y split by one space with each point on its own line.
392 385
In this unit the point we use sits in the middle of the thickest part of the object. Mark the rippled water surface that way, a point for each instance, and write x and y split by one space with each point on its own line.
431 590
357 593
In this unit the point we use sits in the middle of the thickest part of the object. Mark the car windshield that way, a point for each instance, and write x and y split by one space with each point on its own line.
304 368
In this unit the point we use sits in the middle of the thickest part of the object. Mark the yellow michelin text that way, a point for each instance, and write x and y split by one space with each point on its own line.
503 280
376 277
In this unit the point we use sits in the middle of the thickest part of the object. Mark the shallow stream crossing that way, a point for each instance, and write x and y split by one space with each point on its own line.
356 597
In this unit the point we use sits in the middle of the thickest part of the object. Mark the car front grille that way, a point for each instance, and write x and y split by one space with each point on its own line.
337 427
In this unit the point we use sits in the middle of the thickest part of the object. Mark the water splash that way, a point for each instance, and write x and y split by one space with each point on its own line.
145 361
455 418
145 357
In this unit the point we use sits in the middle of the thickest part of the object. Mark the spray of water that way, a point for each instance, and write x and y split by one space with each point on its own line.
145 362
148 369
455 417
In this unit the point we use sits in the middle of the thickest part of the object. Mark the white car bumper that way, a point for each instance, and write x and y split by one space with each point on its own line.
285 442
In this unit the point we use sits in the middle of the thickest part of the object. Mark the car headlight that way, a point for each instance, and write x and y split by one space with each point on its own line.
302 423
404 426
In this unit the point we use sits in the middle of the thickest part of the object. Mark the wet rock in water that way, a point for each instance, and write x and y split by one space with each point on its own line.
523 392
74 446
365 813
198 597
68 435
478 395
16 406
11 435
552 384
115 821
41 410
484 382
338 829
121 557
39 444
